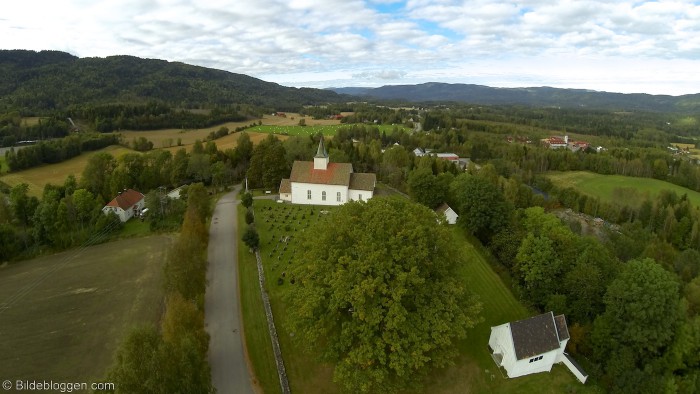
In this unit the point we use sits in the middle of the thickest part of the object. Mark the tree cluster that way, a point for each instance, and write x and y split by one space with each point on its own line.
174 358
56 151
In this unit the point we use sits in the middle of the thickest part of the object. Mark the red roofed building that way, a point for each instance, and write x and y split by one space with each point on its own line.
323 183
127 204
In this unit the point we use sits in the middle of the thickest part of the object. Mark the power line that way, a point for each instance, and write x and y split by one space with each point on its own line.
24 291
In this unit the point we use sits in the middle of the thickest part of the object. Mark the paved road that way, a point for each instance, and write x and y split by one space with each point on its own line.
229 370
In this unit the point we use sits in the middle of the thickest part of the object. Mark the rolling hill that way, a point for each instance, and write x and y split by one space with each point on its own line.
535 96
49 80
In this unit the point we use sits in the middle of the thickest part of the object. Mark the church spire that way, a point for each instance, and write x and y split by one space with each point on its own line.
321 159
321 152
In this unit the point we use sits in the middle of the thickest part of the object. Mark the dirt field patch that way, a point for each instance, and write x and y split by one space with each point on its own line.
71 309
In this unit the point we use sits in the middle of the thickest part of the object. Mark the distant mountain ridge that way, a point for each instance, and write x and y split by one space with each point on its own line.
48 80
535 96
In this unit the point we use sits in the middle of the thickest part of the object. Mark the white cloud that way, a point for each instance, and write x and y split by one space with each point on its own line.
319 42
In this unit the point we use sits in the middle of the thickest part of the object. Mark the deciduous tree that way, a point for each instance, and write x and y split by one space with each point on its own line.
376 285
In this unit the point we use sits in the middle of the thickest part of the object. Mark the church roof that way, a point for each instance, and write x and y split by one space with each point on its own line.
321 152
362 181
336 174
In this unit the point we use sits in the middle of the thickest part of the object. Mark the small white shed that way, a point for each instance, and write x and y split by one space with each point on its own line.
532 345
449 214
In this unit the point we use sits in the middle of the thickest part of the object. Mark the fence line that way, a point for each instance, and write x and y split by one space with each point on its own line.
284 383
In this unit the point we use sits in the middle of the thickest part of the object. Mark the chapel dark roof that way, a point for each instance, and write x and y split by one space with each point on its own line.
537 335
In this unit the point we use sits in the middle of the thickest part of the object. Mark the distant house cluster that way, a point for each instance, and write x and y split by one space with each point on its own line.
556 142
461 162
518 139
324 183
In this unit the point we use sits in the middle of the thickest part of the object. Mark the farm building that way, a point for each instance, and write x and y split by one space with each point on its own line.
126 205
450 215
532 345
323 183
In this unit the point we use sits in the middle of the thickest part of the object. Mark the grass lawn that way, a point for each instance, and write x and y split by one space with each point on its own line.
327 130
612 188
474 370
69 325
297 130
56 174
135 228
255 331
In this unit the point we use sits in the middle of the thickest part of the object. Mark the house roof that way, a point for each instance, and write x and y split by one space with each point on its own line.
536 335
126 199
335 174
442 208
285 186
362 181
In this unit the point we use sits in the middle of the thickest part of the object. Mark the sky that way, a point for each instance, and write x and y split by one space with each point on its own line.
618 46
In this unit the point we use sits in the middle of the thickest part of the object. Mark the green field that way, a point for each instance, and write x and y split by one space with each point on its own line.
618 188
76 307
474 370
328 130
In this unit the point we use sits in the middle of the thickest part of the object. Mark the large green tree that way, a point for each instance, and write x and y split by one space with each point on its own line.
377 293
482 208
639 323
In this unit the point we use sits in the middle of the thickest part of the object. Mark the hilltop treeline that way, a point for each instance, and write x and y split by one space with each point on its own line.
42 82
638 126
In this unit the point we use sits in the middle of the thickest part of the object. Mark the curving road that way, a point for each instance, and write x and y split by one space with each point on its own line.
229 369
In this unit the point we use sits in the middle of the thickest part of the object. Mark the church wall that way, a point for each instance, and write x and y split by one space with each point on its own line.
300 193
354 195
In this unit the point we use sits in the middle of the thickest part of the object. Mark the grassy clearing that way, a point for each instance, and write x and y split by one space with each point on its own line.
168 137
292 119
228 142
255 330
135 228
30 120
56 174
69 326
474 370
616 188
327 130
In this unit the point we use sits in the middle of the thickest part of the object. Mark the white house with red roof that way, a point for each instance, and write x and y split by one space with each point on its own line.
324 183
127 204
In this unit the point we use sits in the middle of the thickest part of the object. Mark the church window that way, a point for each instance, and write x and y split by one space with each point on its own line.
338 197
308 194
323 195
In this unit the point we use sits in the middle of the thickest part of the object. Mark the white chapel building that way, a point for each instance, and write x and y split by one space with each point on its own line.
324 183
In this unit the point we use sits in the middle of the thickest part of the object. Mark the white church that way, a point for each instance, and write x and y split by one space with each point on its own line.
324 183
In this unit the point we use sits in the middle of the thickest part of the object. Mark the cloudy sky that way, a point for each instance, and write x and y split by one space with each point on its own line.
622 46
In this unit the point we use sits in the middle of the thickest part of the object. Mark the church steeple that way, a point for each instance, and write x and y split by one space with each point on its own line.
321 159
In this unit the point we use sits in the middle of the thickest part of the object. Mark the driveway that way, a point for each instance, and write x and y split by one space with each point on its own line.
229 370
